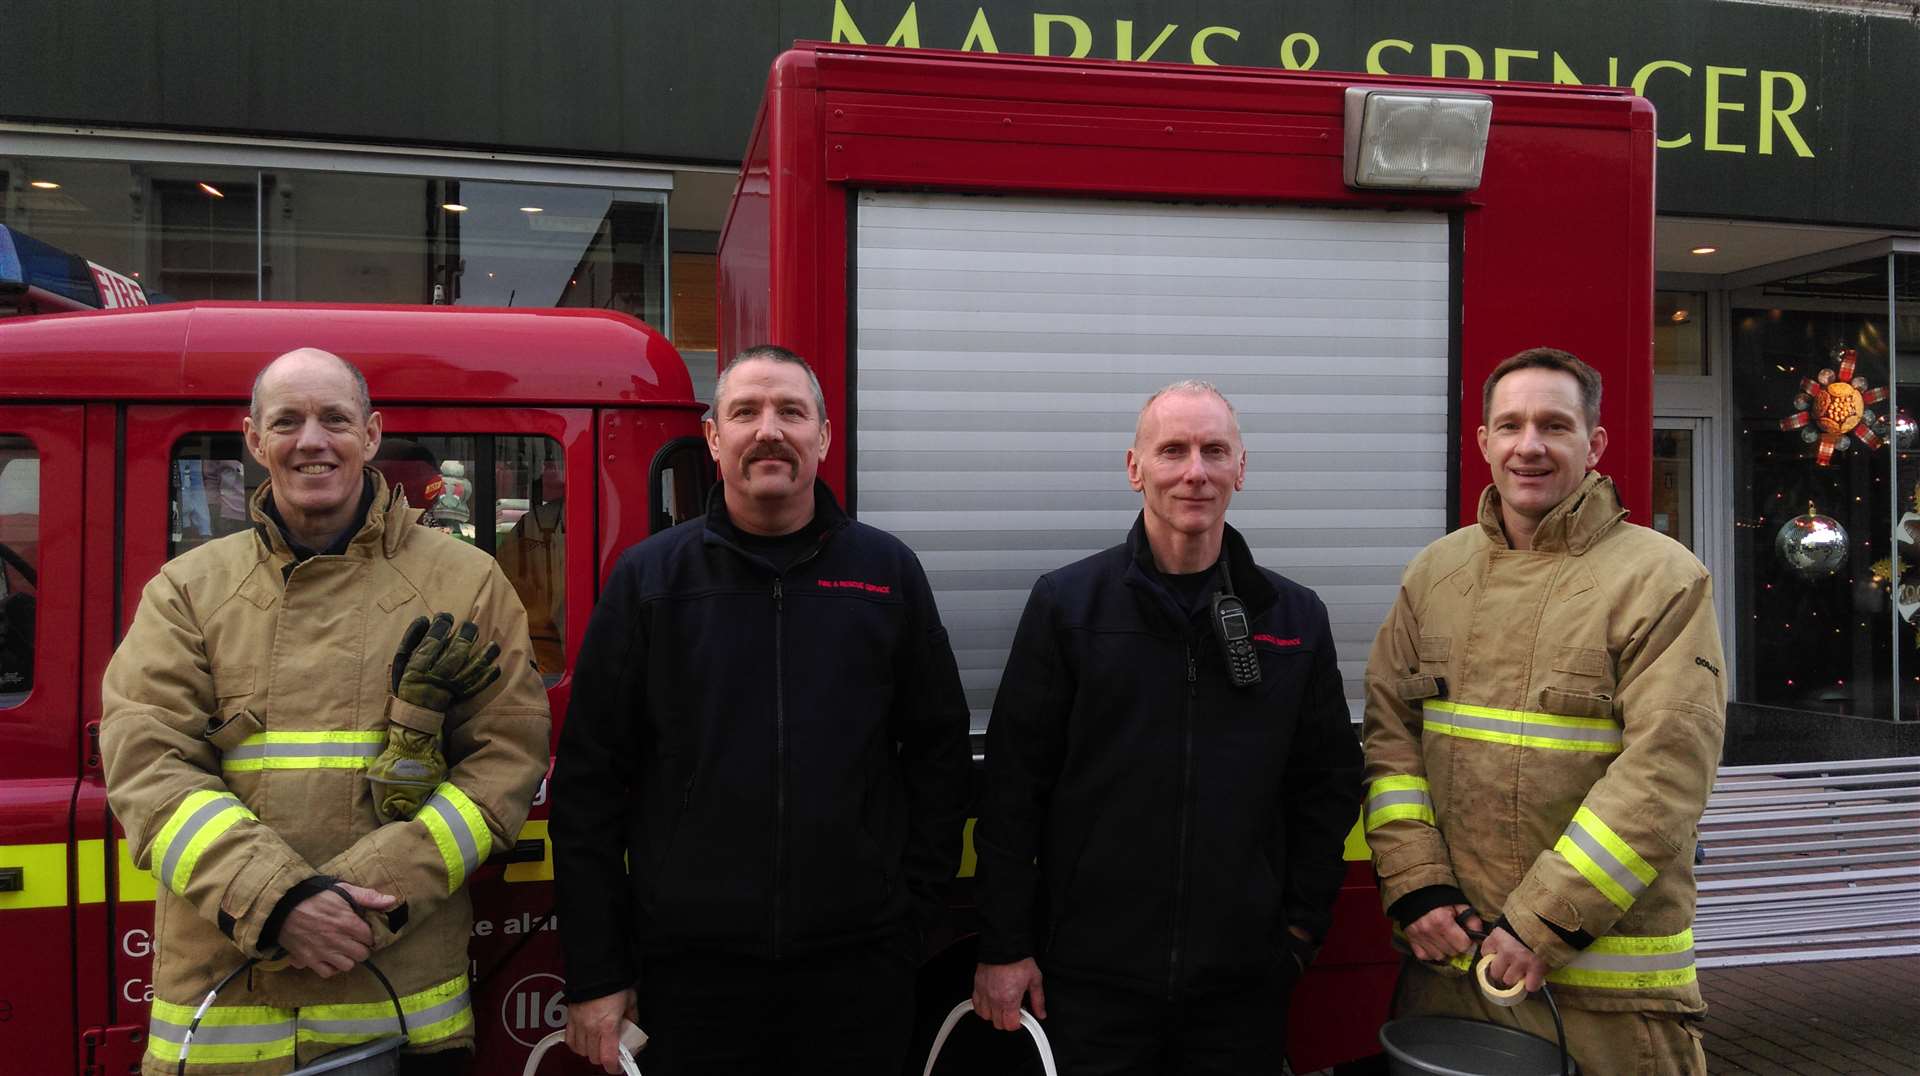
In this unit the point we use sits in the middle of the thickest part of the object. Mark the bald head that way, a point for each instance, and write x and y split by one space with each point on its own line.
1184 388
306 357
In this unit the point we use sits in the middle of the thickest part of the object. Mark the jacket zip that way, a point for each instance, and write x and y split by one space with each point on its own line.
1186 822
779 761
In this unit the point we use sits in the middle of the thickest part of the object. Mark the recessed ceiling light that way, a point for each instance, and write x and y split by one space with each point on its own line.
1680 317
1706 250
212 190
45 184
453 207
531 209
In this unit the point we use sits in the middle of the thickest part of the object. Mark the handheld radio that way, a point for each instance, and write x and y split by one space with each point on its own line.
1236 639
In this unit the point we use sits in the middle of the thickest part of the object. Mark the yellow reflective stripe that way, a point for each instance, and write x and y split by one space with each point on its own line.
445 1010
1545 742
43 875
1632 963
220 1053
228 1034
136 886
458 830
1402 797
1521 717
1621 850
366 1010
322 750
1399 783
534 829
199 820
1594 873
92 871
1418 812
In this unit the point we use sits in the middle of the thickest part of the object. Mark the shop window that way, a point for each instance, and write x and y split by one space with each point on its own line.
1680 333
1823 476
19 563
502 493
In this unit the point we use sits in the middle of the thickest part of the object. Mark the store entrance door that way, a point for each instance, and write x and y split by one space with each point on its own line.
1679 480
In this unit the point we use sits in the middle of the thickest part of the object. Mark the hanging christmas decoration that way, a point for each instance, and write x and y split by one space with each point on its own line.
1906 595
1812 544
1905 430
1833 406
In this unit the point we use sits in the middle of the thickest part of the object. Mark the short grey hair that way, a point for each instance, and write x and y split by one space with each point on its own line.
1192 386
772 353
360 393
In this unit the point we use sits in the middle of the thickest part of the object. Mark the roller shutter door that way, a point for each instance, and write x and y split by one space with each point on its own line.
1004 346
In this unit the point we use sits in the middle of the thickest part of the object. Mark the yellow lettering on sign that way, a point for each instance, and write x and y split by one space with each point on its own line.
1770 115
1476 67
1563 75
1374 66
980 33
906 32
1043 33
1123 30
1292 42
1503 61
1200 43
1715 106
1640 78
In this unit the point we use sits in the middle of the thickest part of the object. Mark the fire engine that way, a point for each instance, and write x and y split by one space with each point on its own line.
990 261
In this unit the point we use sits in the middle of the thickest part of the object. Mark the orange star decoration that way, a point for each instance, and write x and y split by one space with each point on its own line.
1834 405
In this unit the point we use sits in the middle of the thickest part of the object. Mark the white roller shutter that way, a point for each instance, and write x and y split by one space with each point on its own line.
1004 347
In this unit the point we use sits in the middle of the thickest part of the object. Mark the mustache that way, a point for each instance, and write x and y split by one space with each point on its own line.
770 451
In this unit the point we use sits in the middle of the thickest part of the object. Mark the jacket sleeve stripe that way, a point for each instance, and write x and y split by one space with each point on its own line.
1385 807
1605 860
196 823
459 831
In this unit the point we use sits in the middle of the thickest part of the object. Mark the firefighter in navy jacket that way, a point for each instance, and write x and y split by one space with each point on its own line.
1164 844
763 774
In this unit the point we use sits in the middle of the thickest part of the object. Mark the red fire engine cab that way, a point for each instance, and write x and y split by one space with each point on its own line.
993 260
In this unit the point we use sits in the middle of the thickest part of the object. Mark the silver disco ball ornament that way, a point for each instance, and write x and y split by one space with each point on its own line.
1812 544
1906 432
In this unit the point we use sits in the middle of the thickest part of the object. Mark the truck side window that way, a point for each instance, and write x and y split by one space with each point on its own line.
502 493
682 475
19 564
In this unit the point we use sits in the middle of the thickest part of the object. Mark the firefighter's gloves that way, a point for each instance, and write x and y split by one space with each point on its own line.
434 668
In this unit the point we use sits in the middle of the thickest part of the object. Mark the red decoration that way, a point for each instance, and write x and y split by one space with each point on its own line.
1833 406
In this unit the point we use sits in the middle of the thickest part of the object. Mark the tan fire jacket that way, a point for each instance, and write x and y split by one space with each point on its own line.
1542 730
240 714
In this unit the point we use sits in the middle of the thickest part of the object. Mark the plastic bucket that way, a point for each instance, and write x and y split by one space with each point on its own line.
1449 1046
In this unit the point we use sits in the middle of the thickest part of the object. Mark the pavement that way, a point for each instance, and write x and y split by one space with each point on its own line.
1848 1016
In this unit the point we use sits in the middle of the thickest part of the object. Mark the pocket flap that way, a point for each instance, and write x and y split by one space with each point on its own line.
227 731
396 598
1566 703
1582 661
1435 647
1415 688
232 681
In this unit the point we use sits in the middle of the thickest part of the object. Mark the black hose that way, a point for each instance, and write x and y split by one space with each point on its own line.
1559 1030
186 1041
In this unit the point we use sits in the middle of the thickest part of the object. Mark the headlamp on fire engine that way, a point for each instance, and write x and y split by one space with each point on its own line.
1406 140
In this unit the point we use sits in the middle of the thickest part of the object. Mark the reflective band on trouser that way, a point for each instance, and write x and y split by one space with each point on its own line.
1604 860
304 751
1522 728
227 1035
459 831
1393 798
200 818
1631 963
433 1014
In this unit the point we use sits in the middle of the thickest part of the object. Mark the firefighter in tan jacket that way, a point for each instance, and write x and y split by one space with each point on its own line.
243 715
1544 717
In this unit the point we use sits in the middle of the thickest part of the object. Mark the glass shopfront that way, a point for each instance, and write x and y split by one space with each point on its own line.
211 231
1826 489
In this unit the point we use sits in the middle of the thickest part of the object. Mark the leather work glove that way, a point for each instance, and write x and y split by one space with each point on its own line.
434 668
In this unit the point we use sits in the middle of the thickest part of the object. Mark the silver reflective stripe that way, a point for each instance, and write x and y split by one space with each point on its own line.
1634 962
462 836
1390 799
183 838
1605 860
304 750
370 1026
222 1034
1523 728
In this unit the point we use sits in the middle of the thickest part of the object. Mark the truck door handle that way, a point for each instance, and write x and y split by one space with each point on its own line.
530 850
13 879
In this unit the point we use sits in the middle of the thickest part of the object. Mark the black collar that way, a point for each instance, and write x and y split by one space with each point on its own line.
1249 582
340 541
827 516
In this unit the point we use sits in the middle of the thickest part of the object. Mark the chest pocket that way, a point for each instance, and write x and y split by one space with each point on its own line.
1585 683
